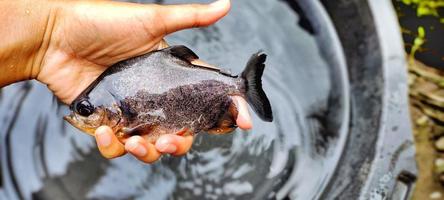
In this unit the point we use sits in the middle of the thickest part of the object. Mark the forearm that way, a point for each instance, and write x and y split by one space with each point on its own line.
24 34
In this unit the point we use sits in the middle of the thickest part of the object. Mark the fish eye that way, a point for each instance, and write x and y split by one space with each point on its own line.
84 108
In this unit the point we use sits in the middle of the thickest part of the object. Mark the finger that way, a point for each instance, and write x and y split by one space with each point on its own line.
178 17
142 150
174 144
108 144
243 118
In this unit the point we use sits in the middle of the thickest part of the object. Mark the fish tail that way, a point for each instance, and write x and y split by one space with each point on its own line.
252 76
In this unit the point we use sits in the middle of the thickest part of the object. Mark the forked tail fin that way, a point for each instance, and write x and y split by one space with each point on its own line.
256 97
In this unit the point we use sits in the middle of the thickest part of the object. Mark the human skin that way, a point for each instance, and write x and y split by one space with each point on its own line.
68 44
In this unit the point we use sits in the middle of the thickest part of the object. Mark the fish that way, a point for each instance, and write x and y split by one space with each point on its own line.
162 92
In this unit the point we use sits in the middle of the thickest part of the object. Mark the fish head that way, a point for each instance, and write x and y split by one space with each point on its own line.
87 117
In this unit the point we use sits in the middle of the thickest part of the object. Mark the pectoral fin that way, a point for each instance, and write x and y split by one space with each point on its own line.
141 129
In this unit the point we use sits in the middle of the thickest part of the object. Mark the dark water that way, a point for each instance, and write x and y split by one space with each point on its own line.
44 157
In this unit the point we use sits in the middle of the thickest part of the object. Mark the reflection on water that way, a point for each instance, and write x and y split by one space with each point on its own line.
49 159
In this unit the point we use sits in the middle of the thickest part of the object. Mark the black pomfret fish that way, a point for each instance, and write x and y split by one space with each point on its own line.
162 92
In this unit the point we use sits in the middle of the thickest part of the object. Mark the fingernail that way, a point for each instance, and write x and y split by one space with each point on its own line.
103 139
166 148
136 148
219 3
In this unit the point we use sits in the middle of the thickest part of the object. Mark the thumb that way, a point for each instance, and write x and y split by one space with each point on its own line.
178 17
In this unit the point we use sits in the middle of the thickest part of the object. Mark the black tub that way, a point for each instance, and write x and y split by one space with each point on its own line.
336 78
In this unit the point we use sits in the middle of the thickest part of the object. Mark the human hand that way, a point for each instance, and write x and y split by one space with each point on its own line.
68 44
88 36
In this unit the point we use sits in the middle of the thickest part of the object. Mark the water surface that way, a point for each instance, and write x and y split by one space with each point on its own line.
45 157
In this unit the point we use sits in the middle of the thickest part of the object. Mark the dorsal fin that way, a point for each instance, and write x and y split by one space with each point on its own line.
181 52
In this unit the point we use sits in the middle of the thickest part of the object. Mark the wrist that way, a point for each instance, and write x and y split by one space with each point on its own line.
25 36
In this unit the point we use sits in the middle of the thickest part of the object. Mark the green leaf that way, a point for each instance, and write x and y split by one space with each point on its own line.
421 32
407 2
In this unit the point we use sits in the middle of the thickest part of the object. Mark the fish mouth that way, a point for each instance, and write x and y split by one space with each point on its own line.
70 118
73 120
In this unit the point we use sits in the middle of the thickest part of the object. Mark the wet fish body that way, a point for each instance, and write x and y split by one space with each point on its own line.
163 92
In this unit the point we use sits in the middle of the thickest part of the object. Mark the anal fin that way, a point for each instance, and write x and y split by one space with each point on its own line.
227 123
